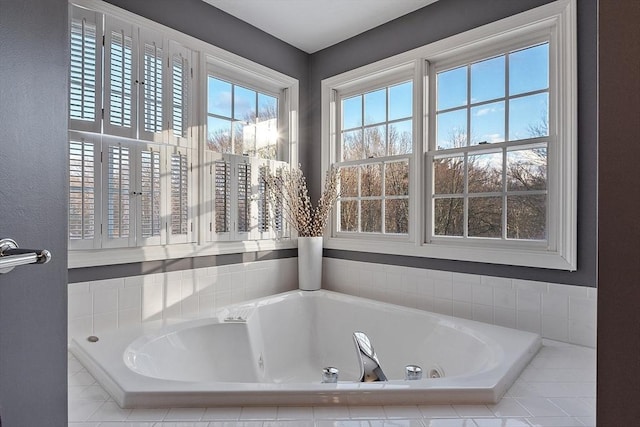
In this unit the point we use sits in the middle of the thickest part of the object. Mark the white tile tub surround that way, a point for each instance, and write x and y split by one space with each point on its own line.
102 305
559 312
556 389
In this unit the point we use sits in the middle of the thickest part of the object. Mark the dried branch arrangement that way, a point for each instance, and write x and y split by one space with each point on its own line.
287 190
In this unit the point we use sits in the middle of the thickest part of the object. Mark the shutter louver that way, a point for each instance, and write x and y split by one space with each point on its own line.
150 193
82 82
263 200
152 88
244 197
119 188
179 194
121 80
81 190
278 211
222 196
179 95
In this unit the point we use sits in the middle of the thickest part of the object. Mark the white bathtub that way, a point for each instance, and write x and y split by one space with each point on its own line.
271 352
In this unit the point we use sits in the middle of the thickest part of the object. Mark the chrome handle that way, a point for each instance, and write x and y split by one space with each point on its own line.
12 256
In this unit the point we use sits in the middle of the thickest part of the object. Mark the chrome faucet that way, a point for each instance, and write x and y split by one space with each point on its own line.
370 369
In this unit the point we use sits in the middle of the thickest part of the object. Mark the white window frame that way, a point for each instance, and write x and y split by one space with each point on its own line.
558 21
200 54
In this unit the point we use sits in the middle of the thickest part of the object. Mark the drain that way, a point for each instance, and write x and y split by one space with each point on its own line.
93 338
436 372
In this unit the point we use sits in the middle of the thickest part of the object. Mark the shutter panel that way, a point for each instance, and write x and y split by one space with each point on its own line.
83 186
180 69
151 86
221 199
243 206
149 197
85 70
118 205
120 69
180 200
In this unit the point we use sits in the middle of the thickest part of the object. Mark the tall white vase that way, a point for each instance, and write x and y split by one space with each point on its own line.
309 263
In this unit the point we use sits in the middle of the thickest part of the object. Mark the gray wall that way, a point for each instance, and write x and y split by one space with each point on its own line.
34 63
437 21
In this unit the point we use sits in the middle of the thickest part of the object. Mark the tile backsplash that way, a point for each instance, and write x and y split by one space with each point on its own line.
559 312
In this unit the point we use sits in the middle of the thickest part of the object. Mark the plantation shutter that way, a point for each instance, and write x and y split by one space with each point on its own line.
179 92
267 217
84 192
150 87
148 196
117 170
85 70
120 71
220 193
243 172
180 203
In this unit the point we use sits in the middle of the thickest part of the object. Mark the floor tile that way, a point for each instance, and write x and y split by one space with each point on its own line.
438 411
222 413
184 414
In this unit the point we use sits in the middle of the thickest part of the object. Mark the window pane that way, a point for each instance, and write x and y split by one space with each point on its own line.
352 145
448 217
375 107
244 104
396 216
485 217
352 112
529 117
488 79
449 175
529 69
372 216
396 179
375 144
244 138
348 215
266 138
526 217
371 180
219 101
484 173
219 135
487 123
401 101
452 130
349 182
452 88
400 138
527 169
267 107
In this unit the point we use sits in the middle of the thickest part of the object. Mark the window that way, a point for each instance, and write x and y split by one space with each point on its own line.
146 170
462 149
375 148
489 154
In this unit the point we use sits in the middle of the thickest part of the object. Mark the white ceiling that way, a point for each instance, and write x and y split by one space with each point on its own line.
312 25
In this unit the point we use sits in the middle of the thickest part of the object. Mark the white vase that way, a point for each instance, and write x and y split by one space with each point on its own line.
309 263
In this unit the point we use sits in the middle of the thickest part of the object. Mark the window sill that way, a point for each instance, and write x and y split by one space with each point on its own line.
514 256
98 257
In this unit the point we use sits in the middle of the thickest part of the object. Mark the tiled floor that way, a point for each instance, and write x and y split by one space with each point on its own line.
556 389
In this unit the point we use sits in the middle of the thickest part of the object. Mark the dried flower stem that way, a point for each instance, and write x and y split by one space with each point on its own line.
288 190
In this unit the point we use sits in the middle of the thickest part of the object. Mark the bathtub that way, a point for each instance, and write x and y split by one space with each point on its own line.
272 351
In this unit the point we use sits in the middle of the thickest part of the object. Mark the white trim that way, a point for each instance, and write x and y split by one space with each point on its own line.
558 21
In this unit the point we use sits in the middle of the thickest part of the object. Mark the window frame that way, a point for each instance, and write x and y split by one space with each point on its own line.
200 54
557 21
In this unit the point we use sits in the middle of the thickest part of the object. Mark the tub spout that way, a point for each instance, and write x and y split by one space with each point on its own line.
370 369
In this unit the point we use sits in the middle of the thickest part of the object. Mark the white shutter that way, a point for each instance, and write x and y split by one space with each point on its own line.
219 192
150 87
120 85
267 220
118 205
85 78
179 93
243 173
148 195
84 192
180 199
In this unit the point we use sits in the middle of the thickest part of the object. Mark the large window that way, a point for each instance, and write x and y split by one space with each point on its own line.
475 151
169 139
